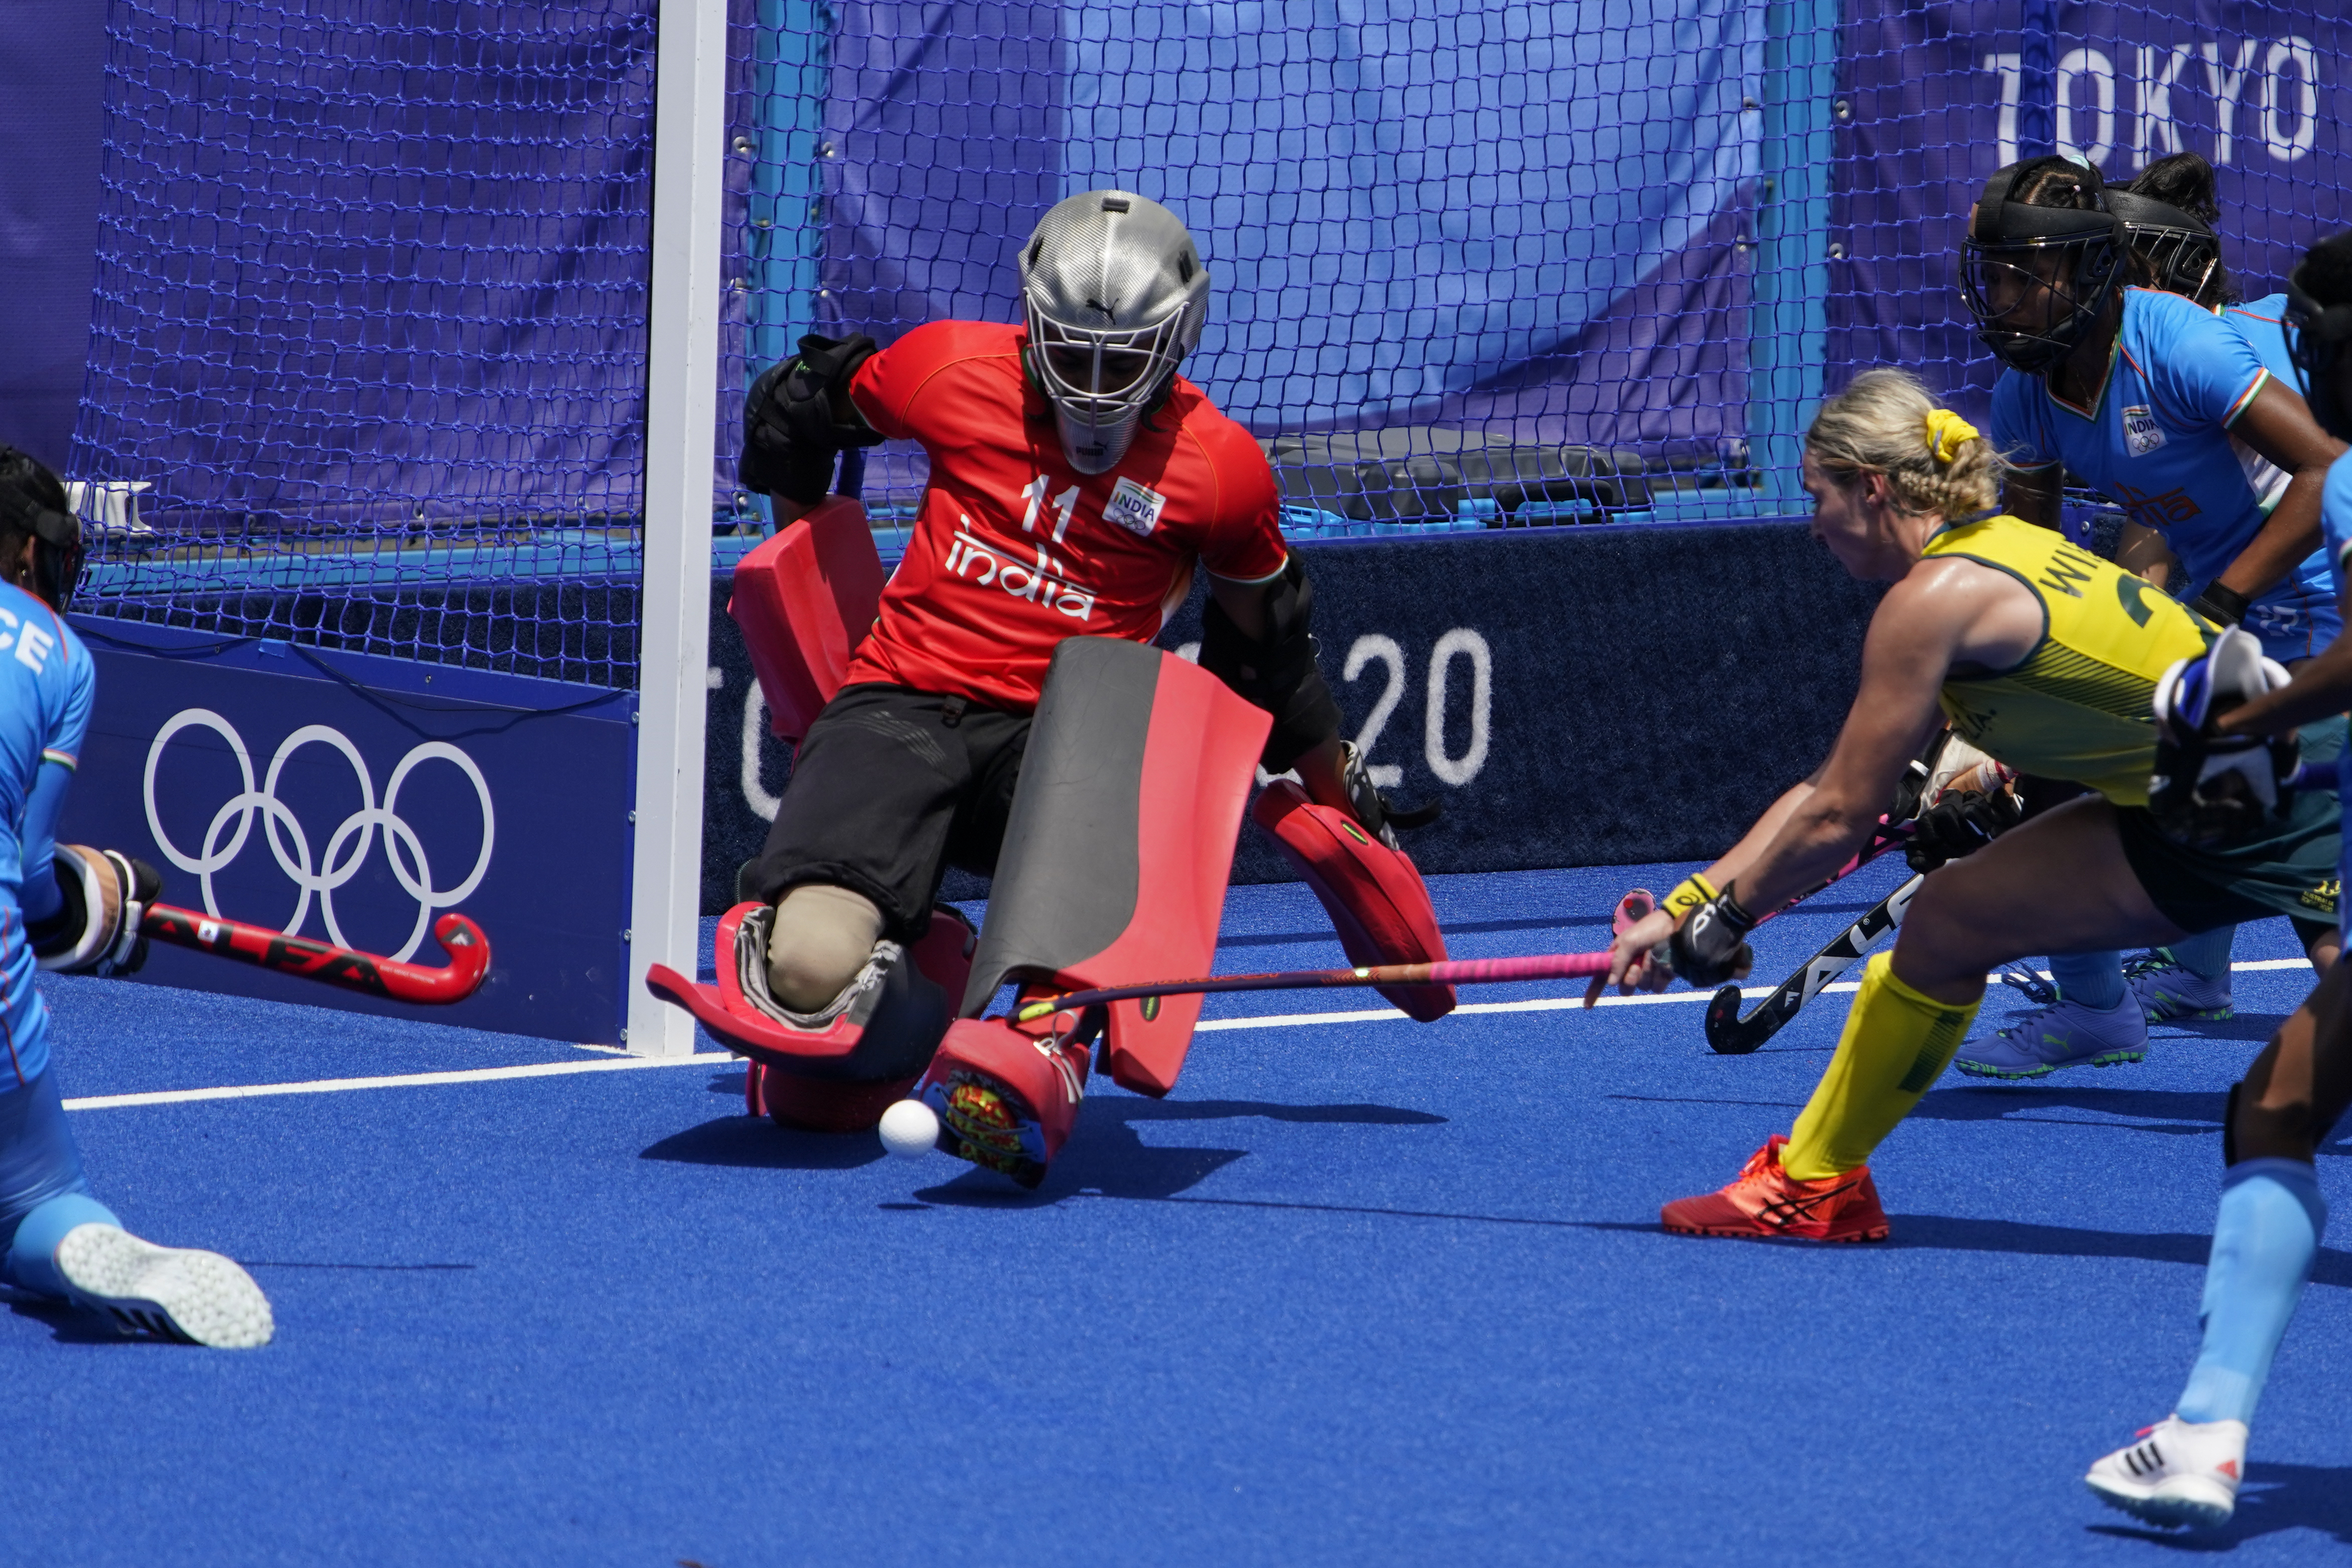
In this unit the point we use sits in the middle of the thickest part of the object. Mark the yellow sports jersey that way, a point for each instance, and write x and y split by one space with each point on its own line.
2077 707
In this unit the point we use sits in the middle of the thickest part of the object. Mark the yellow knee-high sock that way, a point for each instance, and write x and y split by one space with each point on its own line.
1896 1043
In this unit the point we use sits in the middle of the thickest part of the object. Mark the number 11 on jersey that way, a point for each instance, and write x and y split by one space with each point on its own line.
1064 504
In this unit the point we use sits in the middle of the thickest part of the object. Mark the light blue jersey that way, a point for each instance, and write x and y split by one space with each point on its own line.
46 682
2155 440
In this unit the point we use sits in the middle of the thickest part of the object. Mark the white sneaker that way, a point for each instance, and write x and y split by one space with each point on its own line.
176 1293
2178 1472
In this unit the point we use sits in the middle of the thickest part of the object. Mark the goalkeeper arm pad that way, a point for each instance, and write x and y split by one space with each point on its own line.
1276 672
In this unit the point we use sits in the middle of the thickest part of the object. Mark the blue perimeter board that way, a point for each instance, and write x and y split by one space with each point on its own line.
558 762
1358 1292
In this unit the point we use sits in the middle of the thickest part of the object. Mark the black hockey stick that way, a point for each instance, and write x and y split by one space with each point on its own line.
1732 1035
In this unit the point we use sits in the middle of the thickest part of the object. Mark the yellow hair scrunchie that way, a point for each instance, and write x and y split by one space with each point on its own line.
1948 432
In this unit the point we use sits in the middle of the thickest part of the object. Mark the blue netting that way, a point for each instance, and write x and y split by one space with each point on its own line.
370 324
370 319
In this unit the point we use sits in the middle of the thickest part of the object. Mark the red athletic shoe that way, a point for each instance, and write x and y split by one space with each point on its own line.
1767 1201
1007 1097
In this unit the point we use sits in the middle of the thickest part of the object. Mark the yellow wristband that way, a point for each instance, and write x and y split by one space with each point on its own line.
1688 895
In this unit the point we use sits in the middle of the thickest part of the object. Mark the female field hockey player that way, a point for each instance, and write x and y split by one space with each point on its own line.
2187 1469
2138 388
64 907
2043 655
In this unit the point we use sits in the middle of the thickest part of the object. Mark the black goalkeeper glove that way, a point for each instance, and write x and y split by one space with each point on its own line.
1960 825
798 417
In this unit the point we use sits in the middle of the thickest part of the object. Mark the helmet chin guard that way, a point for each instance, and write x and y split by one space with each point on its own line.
2034 277
1115 295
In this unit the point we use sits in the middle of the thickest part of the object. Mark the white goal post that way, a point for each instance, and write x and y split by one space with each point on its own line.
681 406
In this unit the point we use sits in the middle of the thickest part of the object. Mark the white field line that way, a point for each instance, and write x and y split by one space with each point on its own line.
402 1081
633 1063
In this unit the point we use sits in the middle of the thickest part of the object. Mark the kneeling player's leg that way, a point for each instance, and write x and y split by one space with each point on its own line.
43 1193
821 936
843 899
62 1243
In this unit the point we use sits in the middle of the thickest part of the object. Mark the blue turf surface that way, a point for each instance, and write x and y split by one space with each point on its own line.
1358 1292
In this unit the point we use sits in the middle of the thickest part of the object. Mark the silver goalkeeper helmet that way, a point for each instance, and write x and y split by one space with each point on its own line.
1116 297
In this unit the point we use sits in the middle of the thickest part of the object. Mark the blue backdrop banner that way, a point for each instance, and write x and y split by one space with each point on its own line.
352 799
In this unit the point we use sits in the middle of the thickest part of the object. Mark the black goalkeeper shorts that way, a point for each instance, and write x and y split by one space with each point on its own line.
890 788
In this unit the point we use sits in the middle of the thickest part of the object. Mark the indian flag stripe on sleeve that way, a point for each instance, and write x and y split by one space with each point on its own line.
2244 398
62 759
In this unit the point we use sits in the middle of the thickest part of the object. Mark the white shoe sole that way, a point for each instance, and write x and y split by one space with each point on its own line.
2190 1501
176 1293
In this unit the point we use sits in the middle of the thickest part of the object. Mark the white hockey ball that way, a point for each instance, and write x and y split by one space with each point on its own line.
910 1128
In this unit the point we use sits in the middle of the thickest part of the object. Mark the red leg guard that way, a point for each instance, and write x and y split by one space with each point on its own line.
1120 841
804 600
1374 893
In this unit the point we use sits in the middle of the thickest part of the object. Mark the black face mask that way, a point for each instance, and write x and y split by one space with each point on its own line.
2315 339
57 556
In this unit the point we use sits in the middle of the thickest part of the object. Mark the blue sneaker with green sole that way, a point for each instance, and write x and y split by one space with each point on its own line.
2059 1033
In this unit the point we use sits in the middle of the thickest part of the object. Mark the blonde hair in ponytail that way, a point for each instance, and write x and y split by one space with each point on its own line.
1879 424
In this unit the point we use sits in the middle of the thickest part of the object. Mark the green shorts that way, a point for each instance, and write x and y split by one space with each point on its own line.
2288 870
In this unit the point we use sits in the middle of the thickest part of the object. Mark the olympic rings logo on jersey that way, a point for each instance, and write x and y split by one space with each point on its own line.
347 847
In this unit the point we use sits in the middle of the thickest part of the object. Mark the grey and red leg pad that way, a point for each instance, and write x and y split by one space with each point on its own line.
1113 871
1374 893
804 600
835 1071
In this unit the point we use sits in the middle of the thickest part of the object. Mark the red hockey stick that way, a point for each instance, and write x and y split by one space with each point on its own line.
469 954
1450 972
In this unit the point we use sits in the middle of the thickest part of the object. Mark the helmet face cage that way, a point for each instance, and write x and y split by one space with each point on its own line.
2006 284
1115 295
2034 277
2316 339
2184 261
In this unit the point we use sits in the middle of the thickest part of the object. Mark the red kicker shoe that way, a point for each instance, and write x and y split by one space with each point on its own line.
1767 1201
1006 1097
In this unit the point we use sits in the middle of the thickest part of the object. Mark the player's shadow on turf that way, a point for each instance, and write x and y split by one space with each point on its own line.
2193 1112
758 1143
1106 1157
67 1324
2277 1497
2256 1027
1946 1233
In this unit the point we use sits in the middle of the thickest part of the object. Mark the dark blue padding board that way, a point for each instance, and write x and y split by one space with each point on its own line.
369 752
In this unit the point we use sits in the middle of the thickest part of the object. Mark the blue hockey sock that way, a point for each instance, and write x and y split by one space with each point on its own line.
2094 980
32 1259
2206 957
43 1193
2265 1239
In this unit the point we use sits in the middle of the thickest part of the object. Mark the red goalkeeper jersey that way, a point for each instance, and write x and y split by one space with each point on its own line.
1014 549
